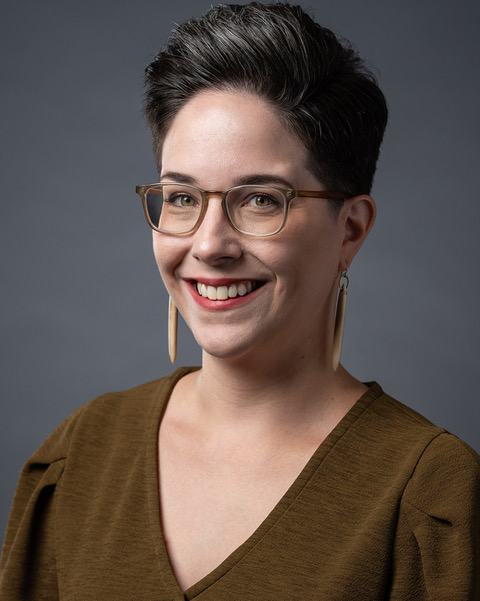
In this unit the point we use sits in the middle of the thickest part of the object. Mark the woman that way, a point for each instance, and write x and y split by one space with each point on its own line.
278 474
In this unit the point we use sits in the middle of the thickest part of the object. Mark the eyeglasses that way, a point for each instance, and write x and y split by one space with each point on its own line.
173 208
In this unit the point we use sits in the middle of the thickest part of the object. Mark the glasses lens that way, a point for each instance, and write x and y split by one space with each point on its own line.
173 208
256 209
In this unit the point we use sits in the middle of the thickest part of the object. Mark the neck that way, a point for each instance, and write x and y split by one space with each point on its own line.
275 385
272 394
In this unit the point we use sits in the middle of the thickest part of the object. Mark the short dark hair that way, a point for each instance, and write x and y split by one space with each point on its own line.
317 85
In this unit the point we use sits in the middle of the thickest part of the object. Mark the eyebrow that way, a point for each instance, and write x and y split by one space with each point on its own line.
261 179
256 179
181 178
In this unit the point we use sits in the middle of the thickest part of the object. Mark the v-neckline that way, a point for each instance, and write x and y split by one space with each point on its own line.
283 504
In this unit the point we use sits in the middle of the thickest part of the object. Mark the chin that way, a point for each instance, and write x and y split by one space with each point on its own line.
224 351
232 345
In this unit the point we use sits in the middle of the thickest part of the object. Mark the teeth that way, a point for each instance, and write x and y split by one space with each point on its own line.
224 292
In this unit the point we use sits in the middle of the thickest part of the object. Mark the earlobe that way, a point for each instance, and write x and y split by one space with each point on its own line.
357 218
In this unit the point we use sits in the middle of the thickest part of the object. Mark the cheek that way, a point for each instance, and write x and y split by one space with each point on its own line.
166 254
157 249
306 251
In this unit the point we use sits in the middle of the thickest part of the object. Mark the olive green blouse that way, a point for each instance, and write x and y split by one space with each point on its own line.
387 508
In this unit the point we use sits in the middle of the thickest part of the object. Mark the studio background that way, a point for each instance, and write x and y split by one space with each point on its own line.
83 307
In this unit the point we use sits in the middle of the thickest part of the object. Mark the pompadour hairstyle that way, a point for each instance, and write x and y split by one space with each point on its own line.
318 86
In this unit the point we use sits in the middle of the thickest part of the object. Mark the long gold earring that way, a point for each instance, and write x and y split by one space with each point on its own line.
340 319
172 329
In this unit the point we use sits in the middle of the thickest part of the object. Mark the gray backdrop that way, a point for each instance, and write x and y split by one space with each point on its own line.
83 308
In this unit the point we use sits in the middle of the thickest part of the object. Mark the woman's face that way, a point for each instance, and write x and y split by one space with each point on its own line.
219 140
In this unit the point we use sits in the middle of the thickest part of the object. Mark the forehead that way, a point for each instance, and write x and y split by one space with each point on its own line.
230 133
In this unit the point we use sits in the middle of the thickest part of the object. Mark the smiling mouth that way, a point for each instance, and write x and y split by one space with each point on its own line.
222 293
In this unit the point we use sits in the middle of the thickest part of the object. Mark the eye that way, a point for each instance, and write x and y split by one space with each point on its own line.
180 199
261 200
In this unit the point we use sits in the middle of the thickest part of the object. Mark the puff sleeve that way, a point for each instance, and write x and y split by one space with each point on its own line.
437 545
27 564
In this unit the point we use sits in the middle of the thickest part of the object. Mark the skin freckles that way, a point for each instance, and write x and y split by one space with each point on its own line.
219 140
266 396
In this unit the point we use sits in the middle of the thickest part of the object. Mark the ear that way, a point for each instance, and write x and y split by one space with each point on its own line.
356 219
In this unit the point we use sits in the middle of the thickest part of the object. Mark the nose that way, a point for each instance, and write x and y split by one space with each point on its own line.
215 241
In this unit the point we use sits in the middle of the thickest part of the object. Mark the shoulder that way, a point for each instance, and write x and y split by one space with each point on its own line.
388 434
396 424
438 527
395 415
437 511
422 459
445 483
441 470
437 534
107 416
